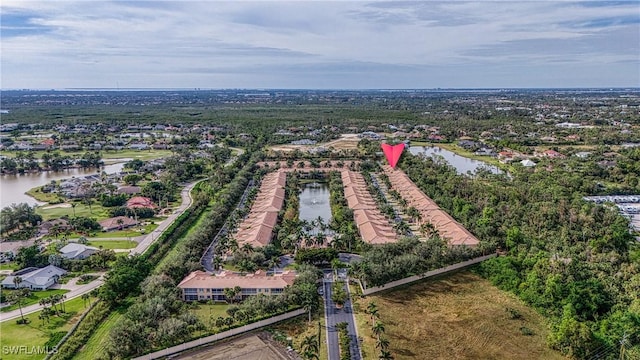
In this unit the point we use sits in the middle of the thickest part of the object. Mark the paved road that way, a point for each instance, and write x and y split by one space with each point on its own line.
78 290
334 316
144 244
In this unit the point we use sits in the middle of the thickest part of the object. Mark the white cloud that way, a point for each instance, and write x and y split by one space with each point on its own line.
196 44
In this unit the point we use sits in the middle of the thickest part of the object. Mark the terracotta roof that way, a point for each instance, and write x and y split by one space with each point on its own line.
447 226
140 202
203 280
256 229
374 228
112 223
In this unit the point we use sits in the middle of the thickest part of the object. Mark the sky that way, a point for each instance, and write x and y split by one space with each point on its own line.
318 44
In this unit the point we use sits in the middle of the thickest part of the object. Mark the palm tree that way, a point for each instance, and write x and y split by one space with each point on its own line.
385 355
85 297
378 329
382 343
229 293
310 347
16 282
274 262
373 311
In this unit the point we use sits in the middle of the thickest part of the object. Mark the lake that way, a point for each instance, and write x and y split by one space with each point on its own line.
314 202
461 163
13 187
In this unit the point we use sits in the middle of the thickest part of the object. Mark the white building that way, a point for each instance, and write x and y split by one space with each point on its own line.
35 279
75 251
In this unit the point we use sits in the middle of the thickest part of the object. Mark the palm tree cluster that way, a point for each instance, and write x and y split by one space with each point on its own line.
378 329
17 216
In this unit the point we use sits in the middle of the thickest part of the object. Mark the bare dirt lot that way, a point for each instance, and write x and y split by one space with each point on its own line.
345 142
247 347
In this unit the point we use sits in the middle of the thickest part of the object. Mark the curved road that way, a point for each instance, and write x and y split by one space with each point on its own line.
141 248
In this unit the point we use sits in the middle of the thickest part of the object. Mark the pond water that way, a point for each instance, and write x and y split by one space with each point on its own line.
314 202
13 187
462 164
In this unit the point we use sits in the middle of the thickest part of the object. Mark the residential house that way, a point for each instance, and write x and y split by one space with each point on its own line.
202 286
75 251
34 278
527 163
129 190
140 202
139 146
117 223
50 227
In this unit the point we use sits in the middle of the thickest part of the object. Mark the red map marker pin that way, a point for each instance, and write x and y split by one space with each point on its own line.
393 152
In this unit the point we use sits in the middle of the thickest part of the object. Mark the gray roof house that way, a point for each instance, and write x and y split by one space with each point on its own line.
35 279
75 251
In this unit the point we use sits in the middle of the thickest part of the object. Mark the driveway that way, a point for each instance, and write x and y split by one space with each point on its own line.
334 316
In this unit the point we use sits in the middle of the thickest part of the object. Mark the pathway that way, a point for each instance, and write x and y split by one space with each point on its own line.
334 316
150 238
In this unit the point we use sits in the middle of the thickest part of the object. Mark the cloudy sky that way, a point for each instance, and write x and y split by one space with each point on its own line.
319 44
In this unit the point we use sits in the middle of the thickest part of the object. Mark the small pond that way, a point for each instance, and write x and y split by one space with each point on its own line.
462 164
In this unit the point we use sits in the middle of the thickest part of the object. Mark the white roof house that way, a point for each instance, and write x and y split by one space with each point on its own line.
77 251
527 163
35 279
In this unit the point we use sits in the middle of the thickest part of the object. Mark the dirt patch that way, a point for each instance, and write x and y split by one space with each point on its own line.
247 347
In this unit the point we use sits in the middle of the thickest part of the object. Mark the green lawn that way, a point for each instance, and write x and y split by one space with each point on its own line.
93 348
113 244
9 266
33 299
205 311
37 194
97 211
35 333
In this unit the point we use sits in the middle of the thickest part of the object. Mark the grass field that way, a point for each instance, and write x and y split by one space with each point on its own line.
113 244
97 211
121 154
35 333
205 312
457 316
94 347
9 266
34 298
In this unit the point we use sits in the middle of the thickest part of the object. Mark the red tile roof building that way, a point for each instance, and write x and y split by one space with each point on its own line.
374 227
257 228
200 285
447 226
140 202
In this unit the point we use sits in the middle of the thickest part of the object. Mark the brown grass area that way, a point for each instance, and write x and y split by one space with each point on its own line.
458 316
247 347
